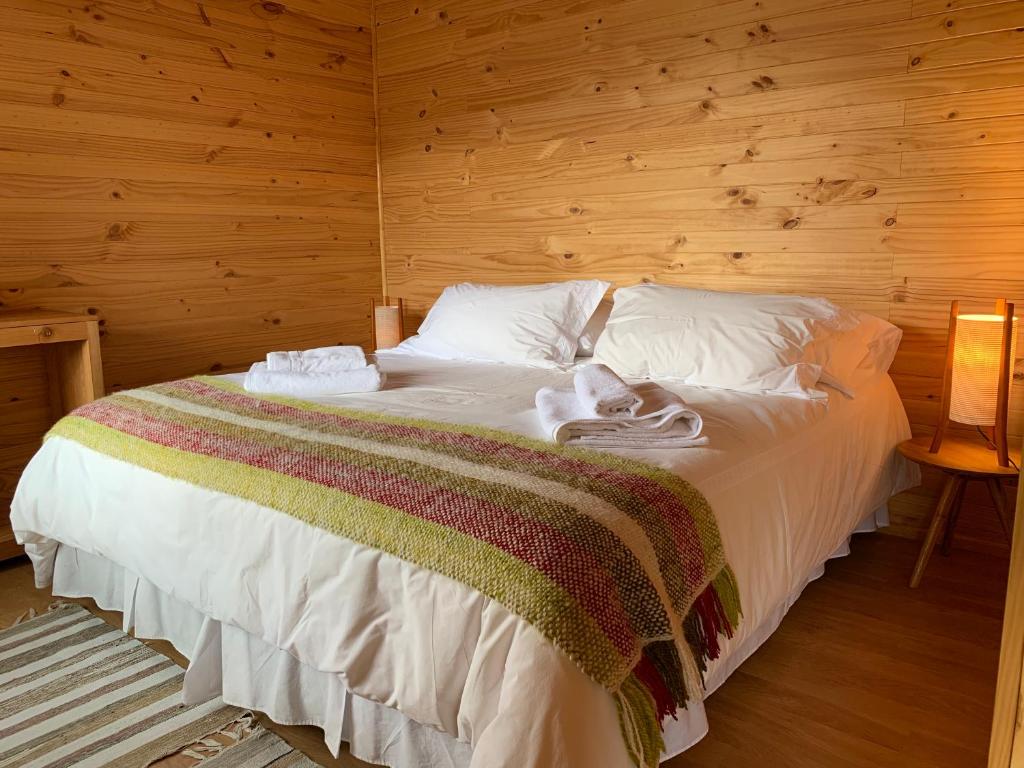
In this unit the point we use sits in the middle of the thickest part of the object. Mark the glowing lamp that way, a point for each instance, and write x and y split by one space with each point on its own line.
980 352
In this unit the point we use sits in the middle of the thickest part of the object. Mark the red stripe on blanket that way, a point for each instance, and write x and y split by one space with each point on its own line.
542 546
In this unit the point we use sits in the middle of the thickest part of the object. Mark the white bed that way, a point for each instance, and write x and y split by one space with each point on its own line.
410 667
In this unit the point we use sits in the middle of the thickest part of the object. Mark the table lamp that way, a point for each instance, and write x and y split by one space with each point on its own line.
980 352
387 323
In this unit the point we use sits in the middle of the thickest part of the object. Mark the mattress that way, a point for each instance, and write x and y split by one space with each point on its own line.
413 668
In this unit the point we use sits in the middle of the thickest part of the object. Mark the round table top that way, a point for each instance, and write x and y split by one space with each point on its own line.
972 457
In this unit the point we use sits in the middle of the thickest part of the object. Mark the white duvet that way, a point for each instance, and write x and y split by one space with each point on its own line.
789 480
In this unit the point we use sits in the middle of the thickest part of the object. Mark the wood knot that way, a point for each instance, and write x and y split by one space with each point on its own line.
915 61
423 113
746 201
58 99
869 192
427 148
334 60
575 210
792 223
115 232
891 221
705 105
734 192
273 8
736 255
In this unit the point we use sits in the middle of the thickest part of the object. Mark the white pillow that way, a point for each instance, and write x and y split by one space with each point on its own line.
532 324
862 349
595 326
745 342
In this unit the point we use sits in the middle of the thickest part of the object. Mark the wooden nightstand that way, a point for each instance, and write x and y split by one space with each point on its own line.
71 345
962 461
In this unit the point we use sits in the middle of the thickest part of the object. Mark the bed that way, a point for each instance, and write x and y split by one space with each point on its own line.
412 668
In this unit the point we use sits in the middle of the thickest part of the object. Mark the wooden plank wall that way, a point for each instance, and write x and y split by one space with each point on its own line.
868 150
201 176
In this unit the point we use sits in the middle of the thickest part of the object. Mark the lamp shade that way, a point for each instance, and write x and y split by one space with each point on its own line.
976 360
387 323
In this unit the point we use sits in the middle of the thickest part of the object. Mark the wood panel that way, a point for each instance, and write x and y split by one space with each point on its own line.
199 176
868 151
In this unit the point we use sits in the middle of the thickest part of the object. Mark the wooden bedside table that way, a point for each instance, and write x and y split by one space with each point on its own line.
71 345
962 461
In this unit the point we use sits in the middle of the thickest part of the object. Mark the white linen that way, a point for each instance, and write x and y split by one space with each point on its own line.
594 328
522 324
662 421
788 481
603 394
312 384
852 357
248 672
744 342
318 360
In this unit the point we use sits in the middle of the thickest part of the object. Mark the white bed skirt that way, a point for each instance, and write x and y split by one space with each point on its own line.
247 672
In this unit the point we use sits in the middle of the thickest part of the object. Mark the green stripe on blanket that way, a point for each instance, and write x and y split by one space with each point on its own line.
618 563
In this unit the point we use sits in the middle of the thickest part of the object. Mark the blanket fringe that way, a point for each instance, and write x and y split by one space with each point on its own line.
641 726
658 685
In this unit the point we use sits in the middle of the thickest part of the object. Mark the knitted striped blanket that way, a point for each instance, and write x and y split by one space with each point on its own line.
617 563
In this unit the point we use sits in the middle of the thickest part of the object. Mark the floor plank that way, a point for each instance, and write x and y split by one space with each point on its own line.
863 673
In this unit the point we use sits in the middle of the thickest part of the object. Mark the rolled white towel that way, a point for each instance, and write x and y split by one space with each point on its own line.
262 380
319 360
663 421
604 394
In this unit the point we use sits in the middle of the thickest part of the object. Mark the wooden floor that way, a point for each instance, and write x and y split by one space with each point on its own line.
863 673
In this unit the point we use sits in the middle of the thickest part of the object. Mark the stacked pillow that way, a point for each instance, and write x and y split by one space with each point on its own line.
526 324
787 345
747 342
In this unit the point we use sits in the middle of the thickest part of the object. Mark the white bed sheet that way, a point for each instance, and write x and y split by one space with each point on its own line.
789 480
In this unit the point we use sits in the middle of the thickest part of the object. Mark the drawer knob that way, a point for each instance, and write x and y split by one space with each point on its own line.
46 332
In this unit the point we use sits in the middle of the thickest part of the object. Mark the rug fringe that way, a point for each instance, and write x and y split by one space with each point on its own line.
32 613
241 728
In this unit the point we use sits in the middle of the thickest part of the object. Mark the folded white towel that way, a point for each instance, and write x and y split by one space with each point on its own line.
319 360
604 394
663 421
261 379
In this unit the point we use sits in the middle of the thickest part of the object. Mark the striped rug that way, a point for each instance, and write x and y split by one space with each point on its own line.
75 691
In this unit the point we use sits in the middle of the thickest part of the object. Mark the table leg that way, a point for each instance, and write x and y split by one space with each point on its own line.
949 493
954 515
995 489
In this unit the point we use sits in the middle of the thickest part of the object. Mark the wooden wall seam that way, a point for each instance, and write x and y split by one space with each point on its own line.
380 173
